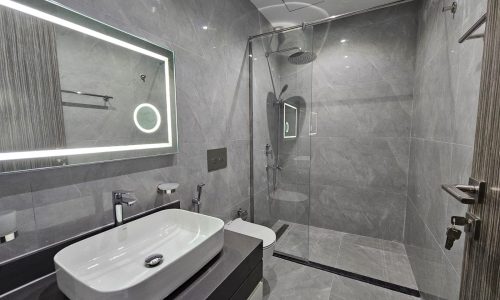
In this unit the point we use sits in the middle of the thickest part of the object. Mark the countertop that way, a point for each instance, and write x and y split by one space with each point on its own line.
232 274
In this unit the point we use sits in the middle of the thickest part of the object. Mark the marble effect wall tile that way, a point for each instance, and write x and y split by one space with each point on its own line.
361 211
363 93
444 116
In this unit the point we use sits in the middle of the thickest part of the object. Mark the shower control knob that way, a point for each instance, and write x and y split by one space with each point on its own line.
452 234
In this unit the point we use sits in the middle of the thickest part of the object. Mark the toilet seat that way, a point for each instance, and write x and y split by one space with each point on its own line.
263 233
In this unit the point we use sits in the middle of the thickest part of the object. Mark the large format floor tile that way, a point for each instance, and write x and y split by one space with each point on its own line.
360 259
348 289
376 258
288 280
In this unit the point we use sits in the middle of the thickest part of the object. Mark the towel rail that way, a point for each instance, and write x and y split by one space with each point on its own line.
469 34
104 97
84 105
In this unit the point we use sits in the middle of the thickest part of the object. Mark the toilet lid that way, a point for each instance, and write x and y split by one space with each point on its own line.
254 230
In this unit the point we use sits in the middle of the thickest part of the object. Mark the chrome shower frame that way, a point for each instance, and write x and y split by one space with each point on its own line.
283 50
329 19
250 71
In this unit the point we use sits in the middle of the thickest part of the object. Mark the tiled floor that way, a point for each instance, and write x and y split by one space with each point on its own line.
376 258
288 280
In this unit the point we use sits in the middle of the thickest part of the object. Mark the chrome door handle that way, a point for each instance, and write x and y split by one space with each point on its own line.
472 193
458 194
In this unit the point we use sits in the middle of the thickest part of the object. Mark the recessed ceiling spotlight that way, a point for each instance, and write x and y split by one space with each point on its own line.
346 56
347 67
204 27
343 41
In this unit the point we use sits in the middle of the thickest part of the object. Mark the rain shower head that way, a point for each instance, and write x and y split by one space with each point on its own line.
302 57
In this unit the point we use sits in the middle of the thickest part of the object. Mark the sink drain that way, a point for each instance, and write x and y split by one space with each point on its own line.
153 260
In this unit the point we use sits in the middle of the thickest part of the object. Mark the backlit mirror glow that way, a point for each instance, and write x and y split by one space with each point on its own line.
147 118
94 78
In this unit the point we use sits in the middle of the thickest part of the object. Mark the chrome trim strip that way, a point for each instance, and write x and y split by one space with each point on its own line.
331 18
25 285
250 128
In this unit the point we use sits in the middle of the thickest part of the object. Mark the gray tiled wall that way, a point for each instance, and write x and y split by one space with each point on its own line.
362 92
212 103
446 92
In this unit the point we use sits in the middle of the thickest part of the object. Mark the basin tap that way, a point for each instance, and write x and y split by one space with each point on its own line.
197 199
120 198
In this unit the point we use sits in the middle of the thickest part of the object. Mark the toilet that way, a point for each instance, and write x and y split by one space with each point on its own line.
257 231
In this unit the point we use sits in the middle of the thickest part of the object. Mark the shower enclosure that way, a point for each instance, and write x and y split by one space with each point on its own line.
282 65
331 110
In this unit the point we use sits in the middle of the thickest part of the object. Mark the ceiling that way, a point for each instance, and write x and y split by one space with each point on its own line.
284 13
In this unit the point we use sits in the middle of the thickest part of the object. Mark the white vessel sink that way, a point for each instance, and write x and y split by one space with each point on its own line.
111 265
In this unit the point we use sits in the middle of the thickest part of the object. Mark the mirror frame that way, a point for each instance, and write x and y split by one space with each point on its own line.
61 15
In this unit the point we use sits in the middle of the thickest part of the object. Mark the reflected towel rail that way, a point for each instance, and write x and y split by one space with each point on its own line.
104 97
83 105
469 34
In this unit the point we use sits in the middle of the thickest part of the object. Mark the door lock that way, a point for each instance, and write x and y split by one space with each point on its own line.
452 234
472 226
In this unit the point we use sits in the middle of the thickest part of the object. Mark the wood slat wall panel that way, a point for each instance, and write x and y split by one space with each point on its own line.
30 98
481 265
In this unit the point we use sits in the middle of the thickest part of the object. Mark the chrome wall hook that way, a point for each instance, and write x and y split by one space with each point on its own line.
452 8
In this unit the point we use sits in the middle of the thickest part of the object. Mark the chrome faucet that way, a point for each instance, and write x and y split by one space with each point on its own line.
120 198
197 199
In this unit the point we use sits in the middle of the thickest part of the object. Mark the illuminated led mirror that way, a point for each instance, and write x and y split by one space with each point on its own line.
147 118
105 94
290 116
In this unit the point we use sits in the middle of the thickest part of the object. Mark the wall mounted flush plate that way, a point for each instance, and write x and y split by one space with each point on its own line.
216 159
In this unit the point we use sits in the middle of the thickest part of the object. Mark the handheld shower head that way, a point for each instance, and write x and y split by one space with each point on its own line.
285 87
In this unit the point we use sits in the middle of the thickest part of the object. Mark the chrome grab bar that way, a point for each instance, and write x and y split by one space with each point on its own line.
469 34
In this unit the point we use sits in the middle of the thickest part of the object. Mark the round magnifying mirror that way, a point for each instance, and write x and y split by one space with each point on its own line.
147 118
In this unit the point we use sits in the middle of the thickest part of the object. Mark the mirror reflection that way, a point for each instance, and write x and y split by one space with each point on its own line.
147 118
289 121
74 90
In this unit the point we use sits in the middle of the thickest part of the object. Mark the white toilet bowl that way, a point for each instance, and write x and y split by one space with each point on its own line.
257 231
